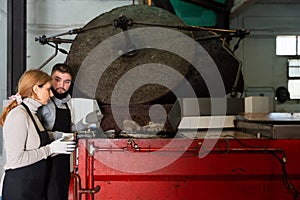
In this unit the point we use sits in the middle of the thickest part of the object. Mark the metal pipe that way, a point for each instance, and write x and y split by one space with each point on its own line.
186 149
50 58
74 176
78 190
90 177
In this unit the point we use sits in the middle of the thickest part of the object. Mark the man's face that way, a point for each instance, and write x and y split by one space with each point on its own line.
61 82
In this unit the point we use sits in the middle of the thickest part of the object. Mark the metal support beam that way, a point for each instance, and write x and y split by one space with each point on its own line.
16 43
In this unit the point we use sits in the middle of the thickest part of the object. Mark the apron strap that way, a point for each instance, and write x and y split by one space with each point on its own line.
32 118
57 106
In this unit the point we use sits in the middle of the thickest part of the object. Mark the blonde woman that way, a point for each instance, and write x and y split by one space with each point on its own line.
26 143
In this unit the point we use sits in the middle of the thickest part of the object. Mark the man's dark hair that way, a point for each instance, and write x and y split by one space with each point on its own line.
63 68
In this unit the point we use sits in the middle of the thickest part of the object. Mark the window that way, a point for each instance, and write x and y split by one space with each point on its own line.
294 78
288 45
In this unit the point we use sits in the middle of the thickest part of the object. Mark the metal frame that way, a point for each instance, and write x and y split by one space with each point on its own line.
235 168
16 43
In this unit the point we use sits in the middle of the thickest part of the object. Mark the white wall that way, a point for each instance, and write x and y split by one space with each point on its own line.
3 28
261 67
3 55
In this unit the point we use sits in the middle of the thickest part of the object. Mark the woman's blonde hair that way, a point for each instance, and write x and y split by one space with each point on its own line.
25 88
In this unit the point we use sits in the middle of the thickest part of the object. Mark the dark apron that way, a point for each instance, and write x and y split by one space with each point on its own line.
59 177
27 183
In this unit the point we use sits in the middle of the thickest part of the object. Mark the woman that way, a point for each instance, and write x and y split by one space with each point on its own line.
26 143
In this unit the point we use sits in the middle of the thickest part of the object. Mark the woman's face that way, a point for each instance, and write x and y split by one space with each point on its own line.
44 93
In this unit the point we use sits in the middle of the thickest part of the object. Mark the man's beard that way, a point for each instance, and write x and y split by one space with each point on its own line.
59 95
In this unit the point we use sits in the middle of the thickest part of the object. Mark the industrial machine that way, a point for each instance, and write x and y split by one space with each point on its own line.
254 156
174 125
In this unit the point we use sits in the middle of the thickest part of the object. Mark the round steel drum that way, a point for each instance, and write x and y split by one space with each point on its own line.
100 29
96 79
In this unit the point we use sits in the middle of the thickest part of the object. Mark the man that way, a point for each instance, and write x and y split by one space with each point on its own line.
56 117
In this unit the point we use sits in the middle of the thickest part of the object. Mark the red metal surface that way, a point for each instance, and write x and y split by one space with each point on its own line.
234 169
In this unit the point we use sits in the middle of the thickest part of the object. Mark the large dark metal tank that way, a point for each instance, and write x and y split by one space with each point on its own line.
93 79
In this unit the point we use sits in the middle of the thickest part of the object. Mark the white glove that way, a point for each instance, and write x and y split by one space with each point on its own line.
65 136
93 117
62 147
